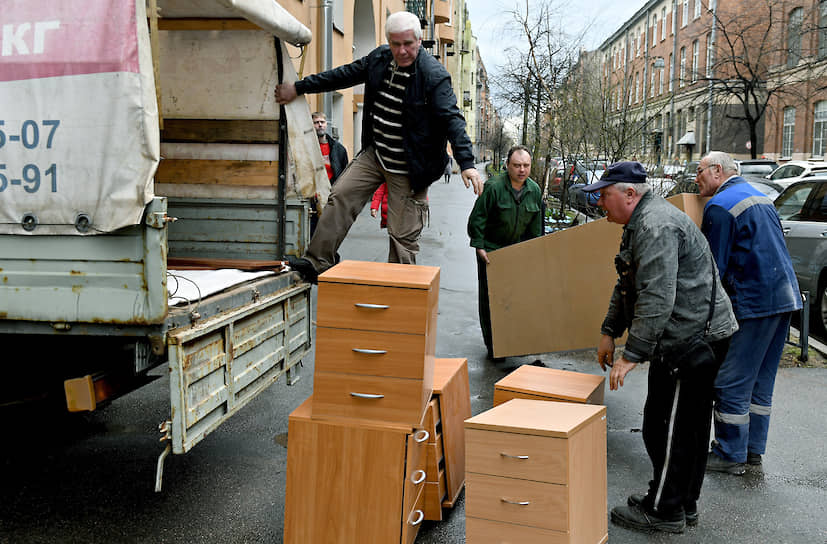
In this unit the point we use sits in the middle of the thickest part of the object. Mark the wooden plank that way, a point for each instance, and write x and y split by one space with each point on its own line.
255 173
451 381
221 131
198 23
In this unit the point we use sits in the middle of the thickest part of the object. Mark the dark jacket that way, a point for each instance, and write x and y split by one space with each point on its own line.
338 157
665 271
498 220
431 117
745 235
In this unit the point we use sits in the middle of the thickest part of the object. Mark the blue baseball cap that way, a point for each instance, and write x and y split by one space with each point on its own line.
623 171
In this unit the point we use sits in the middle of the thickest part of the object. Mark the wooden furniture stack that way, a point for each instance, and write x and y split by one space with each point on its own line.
538 383
358 449
536 473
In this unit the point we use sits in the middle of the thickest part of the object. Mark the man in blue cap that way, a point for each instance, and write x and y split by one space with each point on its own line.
667 293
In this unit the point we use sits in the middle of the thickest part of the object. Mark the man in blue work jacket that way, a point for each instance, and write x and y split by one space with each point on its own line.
745 236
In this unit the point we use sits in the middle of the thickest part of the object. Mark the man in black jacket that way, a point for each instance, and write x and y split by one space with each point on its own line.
410 114
335 160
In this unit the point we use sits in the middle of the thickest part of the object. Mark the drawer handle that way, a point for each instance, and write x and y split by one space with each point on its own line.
518 503
372 306
420 517
417 481
423 433
366 395
521 457
370 351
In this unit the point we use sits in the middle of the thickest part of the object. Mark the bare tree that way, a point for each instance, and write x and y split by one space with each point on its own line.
760 56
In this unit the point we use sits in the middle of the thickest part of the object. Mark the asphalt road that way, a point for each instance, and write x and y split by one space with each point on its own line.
90 478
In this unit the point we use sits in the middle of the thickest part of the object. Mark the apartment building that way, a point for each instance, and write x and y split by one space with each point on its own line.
660 69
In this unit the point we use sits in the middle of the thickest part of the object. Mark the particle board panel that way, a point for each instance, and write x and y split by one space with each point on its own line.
452 386
564 280
540 383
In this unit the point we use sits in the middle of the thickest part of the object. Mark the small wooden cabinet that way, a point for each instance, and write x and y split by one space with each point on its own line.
538 383
352 482
375 341
536 472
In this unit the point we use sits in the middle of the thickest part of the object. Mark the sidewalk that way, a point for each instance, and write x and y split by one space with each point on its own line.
783 504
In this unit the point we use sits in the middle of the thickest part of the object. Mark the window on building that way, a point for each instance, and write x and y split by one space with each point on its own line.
654 29
694 61
338 13
822 29
662 24
685 13
660 81
820 129
697 9
682 73
652 82
788 133
794 37
637 87
709 55
671 73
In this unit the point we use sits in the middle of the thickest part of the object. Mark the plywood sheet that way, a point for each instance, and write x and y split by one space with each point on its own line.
551 293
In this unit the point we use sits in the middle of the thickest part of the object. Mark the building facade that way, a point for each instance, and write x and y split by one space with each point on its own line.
663 72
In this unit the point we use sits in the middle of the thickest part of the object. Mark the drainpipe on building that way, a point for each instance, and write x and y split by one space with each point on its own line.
327 54
674 83
709 71
645 79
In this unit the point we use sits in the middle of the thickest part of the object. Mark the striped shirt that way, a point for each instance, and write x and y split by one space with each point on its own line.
387 119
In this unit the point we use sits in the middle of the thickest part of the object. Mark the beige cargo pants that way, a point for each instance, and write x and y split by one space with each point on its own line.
407 212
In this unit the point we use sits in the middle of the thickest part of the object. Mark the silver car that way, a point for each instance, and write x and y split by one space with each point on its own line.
802 208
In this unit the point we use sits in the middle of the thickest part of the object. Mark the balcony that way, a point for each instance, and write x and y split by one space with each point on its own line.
418 8
442 11
445 33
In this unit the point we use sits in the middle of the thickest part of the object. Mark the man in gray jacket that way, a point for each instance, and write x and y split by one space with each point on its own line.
663 298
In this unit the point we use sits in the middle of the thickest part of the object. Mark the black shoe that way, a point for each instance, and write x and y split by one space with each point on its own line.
715 463
636 517
754 459
690 510
304 268
537 362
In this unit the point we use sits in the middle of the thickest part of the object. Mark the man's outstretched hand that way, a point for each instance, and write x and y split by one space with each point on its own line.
470 176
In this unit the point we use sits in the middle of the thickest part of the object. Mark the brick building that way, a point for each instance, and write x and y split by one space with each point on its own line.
668 66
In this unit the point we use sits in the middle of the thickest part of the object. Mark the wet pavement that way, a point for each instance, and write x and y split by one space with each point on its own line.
90 479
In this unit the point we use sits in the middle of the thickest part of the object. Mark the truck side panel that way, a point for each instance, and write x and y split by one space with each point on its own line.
216 367
119 277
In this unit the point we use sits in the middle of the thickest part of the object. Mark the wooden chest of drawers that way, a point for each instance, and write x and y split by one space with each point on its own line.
536 472
538 383
351 482
375 338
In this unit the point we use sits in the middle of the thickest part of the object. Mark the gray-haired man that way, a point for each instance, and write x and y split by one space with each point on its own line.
410 114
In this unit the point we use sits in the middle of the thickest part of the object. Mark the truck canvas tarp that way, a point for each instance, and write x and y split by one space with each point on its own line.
79 126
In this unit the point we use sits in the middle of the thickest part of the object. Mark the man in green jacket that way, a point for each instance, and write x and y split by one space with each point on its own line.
509 210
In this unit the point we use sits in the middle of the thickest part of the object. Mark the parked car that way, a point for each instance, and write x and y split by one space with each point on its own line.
793 171
756 167
584 202
802 208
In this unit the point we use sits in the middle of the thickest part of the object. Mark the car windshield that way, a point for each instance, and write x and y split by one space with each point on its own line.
757 169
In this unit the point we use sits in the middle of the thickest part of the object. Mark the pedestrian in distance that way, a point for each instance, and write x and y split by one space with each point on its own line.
335 159
449 169
508 211
410 115
669 301
746 237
